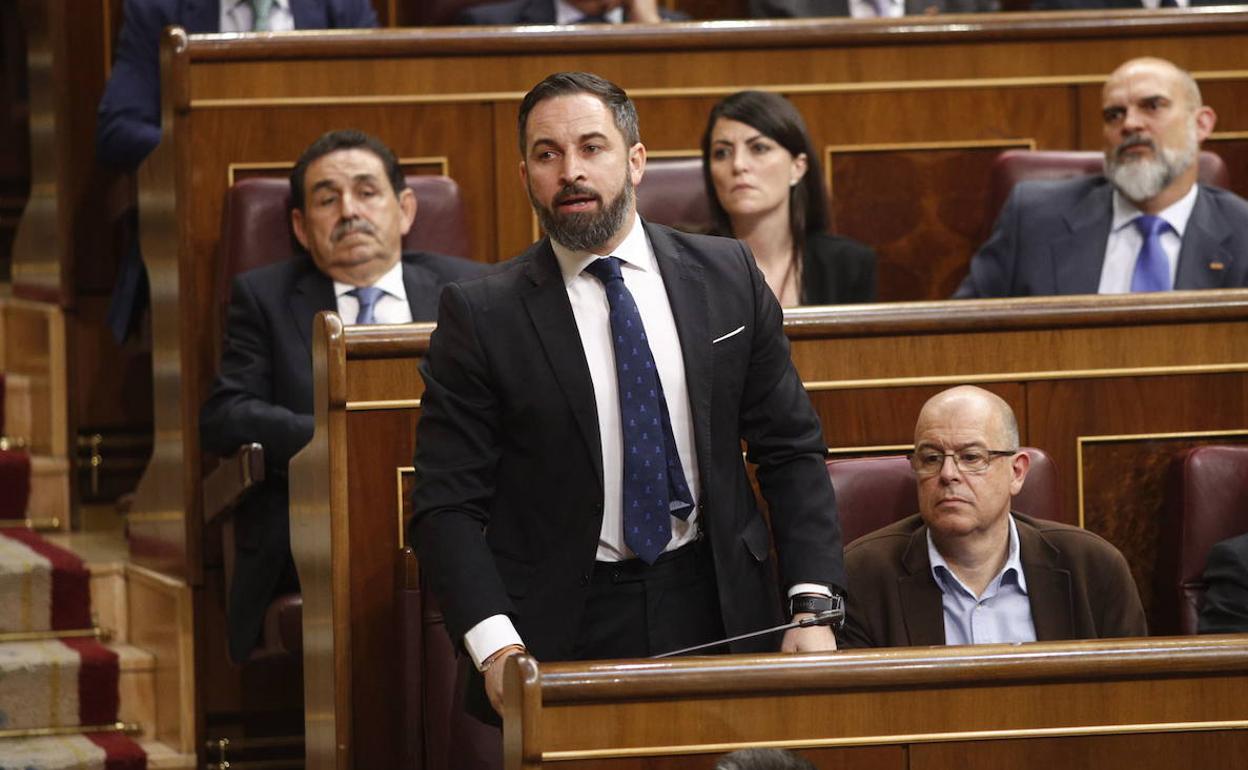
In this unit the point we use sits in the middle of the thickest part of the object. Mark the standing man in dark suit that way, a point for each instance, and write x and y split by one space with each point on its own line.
567 12
581 492
127 127
350 207
965 570
1146 225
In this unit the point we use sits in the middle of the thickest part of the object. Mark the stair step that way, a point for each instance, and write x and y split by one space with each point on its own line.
91 751
15 422
53 683
49 492
162 757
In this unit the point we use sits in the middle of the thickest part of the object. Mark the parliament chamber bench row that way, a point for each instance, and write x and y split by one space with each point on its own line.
1112 388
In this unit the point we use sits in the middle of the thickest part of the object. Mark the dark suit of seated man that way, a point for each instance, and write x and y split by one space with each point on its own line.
350 210
1146 225
567 12
1225 608
966 570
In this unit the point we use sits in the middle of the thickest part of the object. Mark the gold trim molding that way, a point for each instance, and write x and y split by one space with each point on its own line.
383 404
875 740
1128 437
862 450
1057 374
442 162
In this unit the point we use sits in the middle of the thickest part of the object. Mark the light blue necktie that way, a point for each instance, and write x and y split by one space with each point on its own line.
654 486
260 10
1152 269
368 296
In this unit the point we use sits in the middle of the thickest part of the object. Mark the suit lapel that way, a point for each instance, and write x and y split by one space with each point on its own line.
1079 255
1203 261
1048 586
686 294
921 605
313 293
422 291
546 301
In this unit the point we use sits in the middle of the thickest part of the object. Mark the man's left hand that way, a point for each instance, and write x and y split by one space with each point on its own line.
811 639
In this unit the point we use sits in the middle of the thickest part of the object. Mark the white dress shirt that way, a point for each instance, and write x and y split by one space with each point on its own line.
237 16
566 13
1123 246
867 9
391 307
1001 614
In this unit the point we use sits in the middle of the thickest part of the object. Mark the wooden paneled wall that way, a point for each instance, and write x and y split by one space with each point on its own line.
1110 387
907 113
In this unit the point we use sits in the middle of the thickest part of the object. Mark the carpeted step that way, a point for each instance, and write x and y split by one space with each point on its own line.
57 683
90 751
42 586
14 483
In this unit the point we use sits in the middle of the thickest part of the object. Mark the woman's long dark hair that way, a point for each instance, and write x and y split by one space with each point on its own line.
776 118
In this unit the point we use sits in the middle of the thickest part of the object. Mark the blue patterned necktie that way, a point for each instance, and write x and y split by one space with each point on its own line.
1152 269
654 487
260 10
368 296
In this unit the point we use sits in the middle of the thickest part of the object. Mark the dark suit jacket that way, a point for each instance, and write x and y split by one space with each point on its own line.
1079 586
796 9
1225 607
837 270
526 12
508 503
263 393
128 125
1050 239
1080 5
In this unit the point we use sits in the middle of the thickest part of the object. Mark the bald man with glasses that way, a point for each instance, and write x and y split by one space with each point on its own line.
967 570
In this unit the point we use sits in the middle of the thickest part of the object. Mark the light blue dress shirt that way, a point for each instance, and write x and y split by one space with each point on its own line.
1002 614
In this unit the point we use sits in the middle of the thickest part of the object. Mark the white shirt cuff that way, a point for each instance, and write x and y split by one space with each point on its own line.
809 588
488 637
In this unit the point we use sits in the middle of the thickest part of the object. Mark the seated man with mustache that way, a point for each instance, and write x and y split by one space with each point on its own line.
966 569
350 208
1146 225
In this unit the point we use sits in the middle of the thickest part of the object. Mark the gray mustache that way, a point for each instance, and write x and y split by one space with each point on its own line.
348 226
1135 140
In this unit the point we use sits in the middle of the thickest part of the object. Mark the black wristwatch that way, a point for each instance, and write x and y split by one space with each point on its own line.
817 604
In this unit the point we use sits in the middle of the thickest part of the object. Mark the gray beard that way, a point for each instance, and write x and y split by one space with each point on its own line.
586 231
1145 178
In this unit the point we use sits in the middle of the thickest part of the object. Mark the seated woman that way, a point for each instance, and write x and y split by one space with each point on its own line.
764 185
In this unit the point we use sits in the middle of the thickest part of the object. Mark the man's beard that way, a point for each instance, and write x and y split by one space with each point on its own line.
1143 179
585 230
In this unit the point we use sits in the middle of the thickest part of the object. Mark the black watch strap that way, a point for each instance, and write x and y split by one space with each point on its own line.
817 603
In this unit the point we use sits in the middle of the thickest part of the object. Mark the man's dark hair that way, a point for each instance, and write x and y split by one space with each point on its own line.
569 83
345 139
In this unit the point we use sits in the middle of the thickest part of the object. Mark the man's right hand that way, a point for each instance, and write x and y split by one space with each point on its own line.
494 667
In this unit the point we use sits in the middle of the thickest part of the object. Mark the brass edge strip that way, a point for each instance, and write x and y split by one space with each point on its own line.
1226 135
272 165
1069 374
870 740
36 636
847 450
1104 439
394 403
398 478
153 578
154 516
42 525
661 93
673 154
42 732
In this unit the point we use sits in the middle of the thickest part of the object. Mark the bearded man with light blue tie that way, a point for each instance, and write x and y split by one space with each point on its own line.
1146 225
350 208
581 492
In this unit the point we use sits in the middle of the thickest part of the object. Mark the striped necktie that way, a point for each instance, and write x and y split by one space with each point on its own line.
368 296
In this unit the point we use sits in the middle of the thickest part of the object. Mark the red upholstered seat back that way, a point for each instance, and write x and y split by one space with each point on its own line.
873 492
1014 166
672 193
256 228
1206 502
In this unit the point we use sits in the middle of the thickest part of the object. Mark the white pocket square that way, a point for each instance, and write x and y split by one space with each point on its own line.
732 333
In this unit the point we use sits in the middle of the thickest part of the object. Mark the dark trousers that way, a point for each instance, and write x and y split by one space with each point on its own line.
636 610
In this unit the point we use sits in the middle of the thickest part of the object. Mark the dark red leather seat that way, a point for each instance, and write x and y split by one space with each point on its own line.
672 193
1206 502
873 492
1014 166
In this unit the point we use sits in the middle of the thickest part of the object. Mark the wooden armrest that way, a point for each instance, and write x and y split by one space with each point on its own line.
234 475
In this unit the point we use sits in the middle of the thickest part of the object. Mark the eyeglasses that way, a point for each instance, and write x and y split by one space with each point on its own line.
928 463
